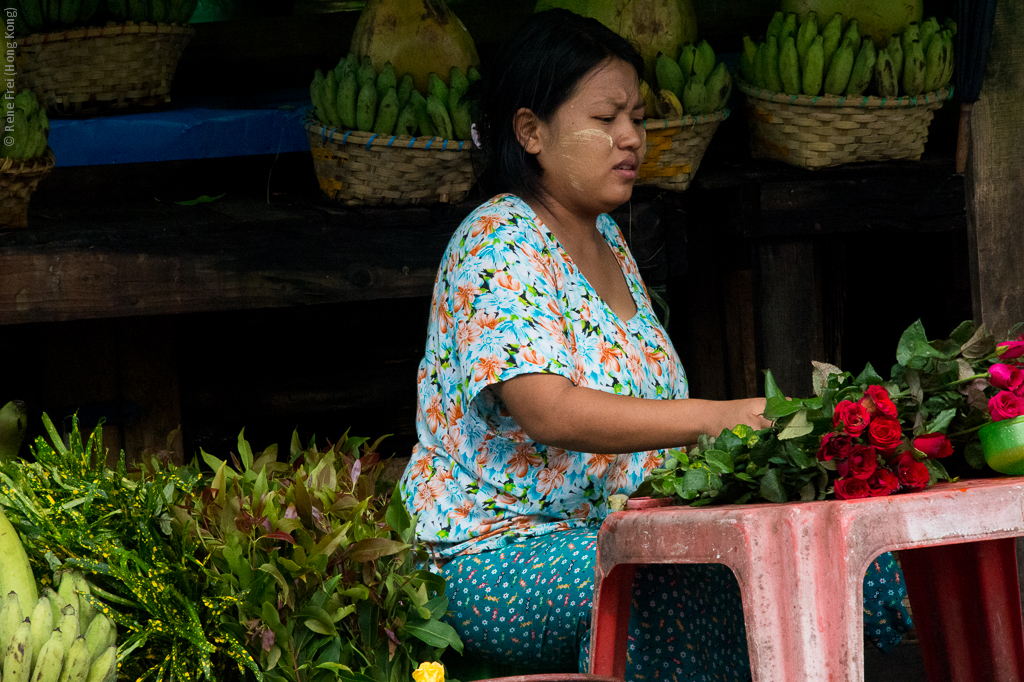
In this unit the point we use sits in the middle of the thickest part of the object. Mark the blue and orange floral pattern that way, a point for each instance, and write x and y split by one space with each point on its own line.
507 301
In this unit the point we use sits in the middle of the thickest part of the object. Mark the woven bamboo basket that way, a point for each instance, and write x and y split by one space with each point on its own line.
675 148
358 168
18 179
98 70
818 132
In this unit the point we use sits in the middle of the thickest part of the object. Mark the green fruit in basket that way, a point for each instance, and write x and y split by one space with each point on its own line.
458 85
863 68
419 104
366 74
472 75
929 29
910 34
813 70
387 113
703 61
316 95
895 50
33 14
718 87
935 64
772 78
439 117
405 88
366 107
406 124
839 71
69 11
386 80
775 26
437 88
138 11
913 69
832 36
341 68
853 33
695 98
27 101
87 10
346 103
761 66
462 120
16 667
748 57
686 57
789 67
52 11
788 27
20 134
806 35
158 11
117 9
670 76
188 8
886 82
947 74
330 99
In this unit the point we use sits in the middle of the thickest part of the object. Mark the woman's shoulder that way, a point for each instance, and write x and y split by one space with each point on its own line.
504 216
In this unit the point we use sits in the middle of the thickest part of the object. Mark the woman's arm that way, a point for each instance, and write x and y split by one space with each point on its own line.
554 411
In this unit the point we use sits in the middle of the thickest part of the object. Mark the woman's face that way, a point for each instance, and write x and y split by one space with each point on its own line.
591 148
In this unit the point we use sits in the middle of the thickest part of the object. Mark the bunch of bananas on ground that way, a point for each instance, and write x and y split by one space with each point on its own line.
691 85
57 637
152 11
798 60
354 96
30 128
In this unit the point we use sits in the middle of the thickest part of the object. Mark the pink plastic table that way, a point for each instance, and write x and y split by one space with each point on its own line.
800 568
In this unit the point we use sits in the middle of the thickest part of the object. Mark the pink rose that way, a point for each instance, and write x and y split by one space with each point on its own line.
885 433
852 416
861 462
1006 377
876 399
851 488
883 482
935 445
834 446
1008 350
912 474
1005 405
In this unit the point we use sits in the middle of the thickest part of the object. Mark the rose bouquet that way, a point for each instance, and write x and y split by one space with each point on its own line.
860 436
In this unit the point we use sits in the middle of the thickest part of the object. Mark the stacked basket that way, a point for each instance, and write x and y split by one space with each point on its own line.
675 149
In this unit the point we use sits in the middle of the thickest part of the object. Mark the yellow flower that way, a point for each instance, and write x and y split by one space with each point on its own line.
429 672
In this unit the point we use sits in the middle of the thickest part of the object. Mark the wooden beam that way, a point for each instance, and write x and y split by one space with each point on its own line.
995 179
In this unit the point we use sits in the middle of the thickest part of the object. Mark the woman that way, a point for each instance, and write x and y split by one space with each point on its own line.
543 356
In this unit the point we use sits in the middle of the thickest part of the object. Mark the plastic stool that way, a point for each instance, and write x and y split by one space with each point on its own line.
800 568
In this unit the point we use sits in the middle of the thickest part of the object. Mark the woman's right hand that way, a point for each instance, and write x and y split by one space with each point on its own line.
731 413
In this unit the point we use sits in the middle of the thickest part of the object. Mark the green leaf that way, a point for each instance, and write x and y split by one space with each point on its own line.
869 376
719 462
397 516
434 633
696 480
798 426
777 407
808 492
820 375
771 389
974 455
772 488
244 451
908 342
937 471
729 442
941 421
963 333
201 199
374 548
356 592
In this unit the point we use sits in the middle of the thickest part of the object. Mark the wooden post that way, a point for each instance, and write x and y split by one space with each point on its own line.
994 180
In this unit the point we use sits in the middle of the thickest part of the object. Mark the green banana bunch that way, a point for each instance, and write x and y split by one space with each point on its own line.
459 84
761 66
775 26
839 71
806 35
436 88
686 57
772 77
366 107
13 424
788 28
703 61
863 68
852 32
789 67
929 29
695 97
419 105
386 80
27 140
346 104
718 87
886 82
895 50
937 58
387 115
748 57
366 73
670 76
832 36
440 117
15 572
814 67
77 662
914 68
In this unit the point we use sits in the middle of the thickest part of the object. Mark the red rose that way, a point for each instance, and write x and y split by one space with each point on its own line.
935 445
851 488
861 462
1005 405
834 446
876 399
912 474
853 417
1008 350
883 482
885 433
1006 377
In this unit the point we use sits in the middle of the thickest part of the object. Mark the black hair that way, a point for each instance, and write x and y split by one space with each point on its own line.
539 69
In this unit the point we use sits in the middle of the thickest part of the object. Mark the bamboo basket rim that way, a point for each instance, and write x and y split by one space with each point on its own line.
837 101
664 123
14 167
371 140
110 30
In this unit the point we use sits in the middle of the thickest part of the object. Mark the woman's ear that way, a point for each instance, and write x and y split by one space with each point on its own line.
526 126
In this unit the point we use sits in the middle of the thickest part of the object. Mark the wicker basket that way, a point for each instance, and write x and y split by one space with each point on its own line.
359 168
818 132
97 70
675 148
18 179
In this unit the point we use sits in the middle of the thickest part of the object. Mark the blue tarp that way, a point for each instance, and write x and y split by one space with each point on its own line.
198 129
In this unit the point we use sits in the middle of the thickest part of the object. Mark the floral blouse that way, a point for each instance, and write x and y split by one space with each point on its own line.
507 301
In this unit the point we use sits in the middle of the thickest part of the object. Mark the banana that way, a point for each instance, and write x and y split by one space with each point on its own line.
68 627
87 10
789 67
67 590
910 33
761 66
788 27
406 124
13 424
437 88
670 76
351 63
56 605
10 617
340 69
387 116
462 120
703 61
806 35
69 11
104 668
42 626
775 25
913 69
832 36
53 11
117 9
316 94
366 73
853 33
346 104
405 87
472 75
935 63
386 80
650 101
76 662
423 121
15 572
695 98
885 75
458 85
138 10
895 49
366 108
747 60
33 14
158 11
863 68
814 68
330 99
686 57
96 635
772 78
718 87
947 73
669 105
929 29
48 663
86 611
439 116
839 72
18 656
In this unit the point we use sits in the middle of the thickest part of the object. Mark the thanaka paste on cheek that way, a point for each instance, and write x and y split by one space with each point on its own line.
583 151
